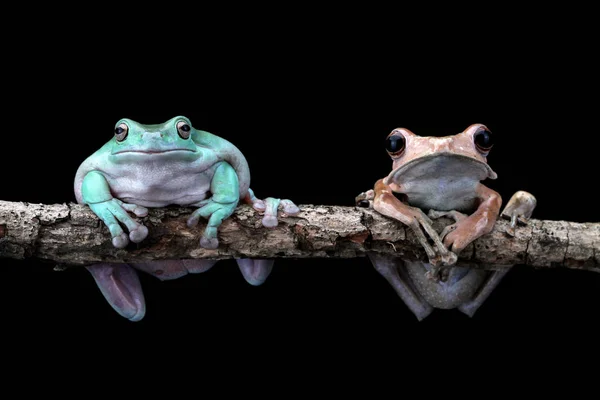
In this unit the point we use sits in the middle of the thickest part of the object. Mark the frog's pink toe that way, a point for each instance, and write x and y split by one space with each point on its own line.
209 243
289 208
259 205
139 234
270 221
121 241
255 272
140 211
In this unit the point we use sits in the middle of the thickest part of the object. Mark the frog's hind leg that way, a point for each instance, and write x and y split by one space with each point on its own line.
394 271
269 208
120 285
484 292
255 272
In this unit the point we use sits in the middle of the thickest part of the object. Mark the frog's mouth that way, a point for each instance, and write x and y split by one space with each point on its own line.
151 152
442 165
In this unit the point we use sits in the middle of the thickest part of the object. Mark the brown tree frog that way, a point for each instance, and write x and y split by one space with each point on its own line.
441 176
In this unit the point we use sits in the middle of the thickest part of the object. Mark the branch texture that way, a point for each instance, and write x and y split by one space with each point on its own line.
71 235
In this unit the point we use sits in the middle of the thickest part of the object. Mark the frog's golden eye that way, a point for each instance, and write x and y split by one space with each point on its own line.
184 129
484 140
395 144
121 132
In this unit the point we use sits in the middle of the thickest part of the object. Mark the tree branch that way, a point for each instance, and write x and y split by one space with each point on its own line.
71 235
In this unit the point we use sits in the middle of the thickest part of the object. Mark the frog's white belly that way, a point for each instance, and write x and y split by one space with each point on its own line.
150 186
444 194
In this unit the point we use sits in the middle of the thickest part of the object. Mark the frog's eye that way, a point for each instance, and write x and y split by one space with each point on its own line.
395 144
484 140
184 129
121 132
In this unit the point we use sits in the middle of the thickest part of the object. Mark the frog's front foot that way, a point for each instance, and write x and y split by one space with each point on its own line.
439 256
270 207
215 212
365 199
113 211
518 210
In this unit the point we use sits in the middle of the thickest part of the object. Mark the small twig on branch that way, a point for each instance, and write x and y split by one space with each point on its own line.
71 235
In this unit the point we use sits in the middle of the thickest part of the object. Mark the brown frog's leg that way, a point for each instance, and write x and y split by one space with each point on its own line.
519 208
120 285
483 293
393 270
477 224
387 204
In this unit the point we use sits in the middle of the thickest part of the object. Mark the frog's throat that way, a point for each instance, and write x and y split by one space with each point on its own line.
487 172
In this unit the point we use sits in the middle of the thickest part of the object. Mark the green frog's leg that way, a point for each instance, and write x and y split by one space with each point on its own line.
96 193
225 197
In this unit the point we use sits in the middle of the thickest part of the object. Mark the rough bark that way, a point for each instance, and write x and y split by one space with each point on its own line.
71 235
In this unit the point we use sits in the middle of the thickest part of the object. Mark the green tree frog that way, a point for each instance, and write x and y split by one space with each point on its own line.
441 176
166 164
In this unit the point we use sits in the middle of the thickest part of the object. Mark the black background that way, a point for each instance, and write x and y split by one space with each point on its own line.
311 119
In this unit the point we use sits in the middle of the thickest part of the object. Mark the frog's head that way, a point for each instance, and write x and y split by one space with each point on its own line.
169 140
463 155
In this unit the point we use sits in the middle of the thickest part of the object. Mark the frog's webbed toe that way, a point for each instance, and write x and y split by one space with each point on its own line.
365 199
255 272
209 243
518 210
120 241
121 287
138 234
271 208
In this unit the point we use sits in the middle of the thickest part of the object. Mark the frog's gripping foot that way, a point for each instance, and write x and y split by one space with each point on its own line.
270 207
113 213
365 199
518 210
